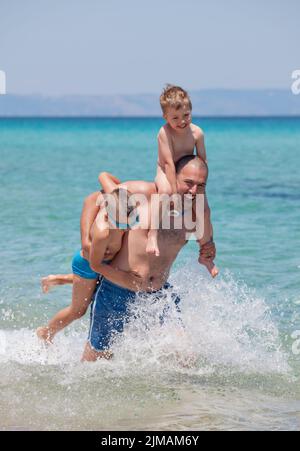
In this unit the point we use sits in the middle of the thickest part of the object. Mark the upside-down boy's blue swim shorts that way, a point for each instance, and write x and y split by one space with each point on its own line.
81 267
110 311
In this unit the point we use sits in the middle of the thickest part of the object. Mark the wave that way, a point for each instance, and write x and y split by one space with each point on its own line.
227 328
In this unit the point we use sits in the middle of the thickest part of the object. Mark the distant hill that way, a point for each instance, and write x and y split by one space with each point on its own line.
205 103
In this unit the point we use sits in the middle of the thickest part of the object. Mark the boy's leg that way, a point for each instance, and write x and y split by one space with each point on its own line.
163 187
152 243
83 290
57 279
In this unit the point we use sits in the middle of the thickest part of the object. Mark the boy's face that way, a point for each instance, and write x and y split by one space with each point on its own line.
178 119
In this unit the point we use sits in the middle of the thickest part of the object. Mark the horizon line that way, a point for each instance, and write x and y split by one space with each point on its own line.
279 116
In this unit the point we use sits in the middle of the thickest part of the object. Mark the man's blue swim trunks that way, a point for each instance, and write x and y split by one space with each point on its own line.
110 311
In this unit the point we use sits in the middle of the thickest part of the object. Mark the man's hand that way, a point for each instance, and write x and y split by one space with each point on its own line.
208 250
130 280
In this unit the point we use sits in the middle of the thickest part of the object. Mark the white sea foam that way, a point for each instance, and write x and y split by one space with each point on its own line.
226 327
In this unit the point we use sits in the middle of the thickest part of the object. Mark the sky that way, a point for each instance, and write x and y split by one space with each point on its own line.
90 47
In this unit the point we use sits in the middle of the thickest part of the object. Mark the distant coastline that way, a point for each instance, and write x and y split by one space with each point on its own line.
218 118
207 103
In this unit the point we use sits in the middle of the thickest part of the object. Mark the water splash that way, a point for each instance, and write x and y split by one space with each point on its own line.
230 350
226 327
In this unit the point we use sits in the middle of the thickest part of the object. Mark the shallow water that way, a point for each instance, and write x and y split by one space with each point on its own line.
246 364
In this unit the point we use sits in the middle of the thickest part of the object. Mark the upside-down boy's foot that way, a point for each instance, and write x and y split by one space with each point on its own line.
152 247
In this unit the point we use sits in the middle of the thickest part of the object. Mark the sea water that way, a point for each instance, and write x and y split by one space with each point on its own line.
242 329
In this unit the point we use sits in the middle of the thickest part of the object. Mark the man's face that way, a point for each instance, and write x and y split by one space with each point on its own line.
179 119
191 180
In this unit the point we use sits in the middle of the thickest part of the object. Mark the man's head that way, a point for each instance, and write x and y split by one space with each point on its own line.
176 106
192 174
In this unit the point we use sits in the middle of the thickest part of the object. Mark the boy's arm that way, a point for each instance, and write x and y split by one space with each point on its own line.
108 181
88 215
208 228
200 145
166 158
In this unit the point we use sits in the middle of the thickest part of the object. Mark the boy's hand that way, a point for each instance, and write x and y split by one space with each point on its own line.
211 267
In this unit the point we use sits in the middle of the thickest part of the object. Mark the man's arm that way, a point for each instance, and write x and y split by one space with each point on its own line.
99 241
128 280
97 253
207 251
88 215
208 228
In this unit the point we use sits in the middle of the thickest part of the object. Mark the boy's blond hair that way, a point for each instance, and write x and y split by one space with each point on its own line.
174 97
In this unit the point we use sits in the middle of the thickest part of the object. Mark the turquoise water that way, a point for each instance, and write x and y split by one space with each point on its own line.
241 325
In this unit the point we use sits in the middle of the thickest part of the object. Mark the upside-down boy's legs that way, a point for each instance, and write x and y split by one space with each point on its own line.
83 290
55 279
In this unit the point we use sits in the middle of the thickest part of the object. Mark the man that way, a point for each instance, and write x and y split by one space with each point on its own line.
114 296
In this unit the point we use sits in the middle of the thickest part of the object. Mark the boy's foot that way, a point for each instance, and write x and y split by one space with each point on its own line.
48 282
214 272
152 246
211 267
43 333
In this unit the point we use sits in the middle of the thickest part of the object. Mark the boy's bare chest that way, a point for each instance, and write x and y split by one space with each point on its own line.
183 146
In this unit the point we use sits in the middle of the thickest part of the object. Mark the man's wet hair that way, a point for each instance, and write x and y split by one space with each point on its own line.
185 160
